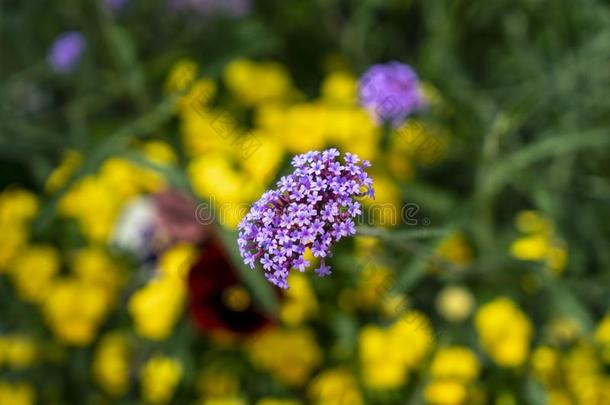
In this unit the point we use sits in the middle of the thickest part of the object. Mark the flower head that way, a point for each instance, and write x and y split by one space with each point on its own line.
311 208
66 51
390 92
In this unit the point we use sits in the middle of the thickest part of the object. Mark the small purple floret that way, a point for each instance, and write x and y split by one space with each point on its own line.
312 208
66 51
390 92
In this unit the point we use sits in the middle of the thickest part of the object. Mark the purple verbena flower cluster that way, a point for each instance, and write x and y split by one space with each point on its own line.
390 92
311 208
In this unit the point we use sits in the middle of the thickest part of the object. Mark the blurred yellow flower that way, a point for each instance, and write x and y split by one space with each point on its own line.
257 82
455 250
17 206
218 382
504 332
564 329
194 93
277 401
224 401
334 387
71 161
388 354
340 87
374 283
420 142
539 242
93 265
290 355
33 270
445 392
20 393
74 309
156 307
602 338
111 364
455 362
159 378
546 364
182 74
12 239
455 303
158 152
176 261
300 303
94 204
386 208
17 351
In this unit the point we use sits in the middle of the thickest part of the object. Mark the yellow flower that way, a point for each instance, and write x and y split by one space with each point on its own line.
156 307
303 127
538 242
12 239
455 303
20 393
95 206
224 401
533 247
257 82
546 364
194 93
266 159
340 88
385 209
122 177
504 331
277 401
602 337
445 392
455 362
111 364
17 206
159 378
419 142
33 270
564 329
289 354
61 174
17 351
227 188
387 355
181 76
334 387
375 282
300 303
93 265
74 309
455 250
216 381
530 222
559 397
176 261
158 152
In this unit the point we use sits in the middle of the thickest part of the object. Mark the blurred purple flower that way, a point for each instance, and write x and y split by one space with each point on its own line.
233 8
390 92
311 208
66 51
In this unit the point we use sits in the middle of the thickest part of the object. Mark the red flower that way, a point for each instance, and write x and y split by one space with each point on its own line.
219 302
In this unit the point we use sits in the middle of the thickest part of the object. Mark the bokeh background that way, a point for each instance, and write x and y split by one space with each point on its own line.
134 135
